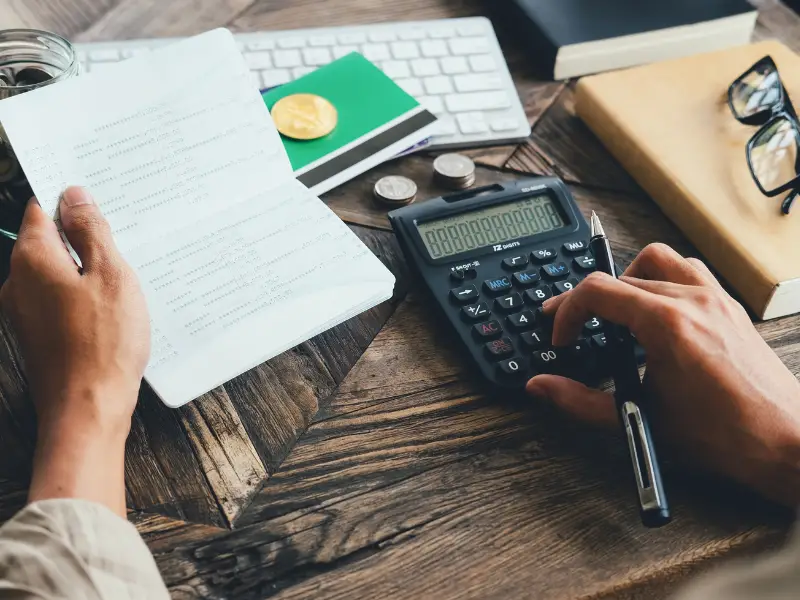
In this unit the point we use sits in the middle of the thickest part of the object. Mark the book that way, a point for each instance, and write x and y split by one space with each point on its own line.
373 127
570 38
671 128
238 260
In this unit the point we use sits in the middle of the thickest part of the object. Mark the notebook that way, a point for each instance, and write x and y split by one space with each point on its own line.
670 126
238 260
373 127
570 38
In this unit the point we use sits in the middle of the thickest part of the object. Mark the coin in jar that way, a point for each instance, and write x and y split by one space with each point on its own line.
454 171
395 190
304 116
31 76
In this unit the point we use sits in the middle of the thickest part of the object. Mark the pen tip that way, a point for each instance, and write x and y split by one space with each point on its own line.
596 227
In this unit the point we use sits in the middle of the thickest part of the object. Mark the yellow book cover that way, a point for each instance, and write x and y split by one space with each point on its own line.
670 126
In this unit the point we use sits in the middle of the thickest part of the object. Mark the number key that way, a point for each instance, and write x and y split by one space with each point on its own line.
533 339
498 349
522 321
555 270
538 294
546 361
511 367
509 304
561 287
593 325
543 255
465 295
514 263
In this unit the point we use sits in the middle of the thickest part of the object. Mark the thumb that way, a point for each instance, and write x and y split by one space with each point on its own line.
86 228
585 404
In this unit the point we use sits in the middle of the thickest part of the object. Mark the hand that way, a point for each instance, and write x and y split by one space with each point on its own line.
84 336
718 396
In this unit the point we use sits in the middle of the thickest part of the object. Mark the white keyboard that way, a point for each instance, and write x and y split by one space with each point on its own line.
454 67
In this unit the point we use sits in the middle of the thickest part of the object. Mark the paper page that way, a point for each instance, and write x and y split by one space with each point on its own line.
238 261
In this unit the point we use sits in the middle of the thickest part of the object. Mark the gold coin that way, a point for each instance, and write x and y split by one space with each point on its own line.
304 116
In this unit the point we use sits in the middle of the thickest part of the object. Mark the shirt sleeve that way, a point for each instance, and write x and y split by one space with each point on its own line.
75 549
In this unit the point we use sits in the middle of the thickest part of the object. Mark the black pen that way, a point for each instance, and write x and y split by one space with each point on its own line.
629 394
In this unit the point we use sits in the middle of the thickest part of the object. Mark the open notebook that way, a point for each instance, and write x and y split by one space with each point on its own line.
238 260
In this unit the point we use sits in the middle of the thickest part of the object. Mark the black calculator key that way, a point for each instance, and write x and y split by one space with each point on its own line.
497 286
599 341
593 325
511 368
543 255
509 304
555 270
579 350
487 331
465 295
463 274
547 361
498 349
527 278
533 339
564 286
583 263
576 247
522 321
538 294
476 312
514 263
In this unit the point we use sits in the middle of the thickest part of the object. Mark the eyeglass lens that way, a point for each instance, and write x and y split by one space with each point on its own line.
757 91
773 154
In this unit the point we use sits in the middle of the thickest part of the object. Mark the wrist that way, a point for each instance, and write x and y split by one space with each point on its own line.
777 476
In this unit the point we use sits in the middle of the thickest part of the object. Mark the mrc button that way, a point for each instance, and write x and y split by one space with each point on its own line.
497 286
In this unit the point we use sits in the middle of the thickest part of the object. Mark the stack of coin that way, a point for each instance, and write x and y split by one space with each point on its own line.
304 116
395 190
454 171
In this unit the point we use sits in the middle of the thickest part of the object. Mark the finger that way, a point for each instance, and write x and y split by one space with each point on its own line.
704 271
38 235
660 262
660 288
87 230
585 404
600 295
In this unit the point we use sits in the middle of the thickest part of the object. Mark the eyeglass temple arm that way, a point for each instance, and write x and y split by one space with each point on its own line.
786 205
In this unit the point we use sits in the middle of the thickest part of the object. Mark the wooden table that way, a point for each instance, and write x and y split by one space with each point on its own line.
364 463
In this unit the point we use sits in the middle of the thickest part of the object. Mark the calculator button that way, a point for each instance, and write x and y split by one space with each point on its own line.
544 255
487 331
527 278
457 276
511 367
593 325
465 295
538 294
463 274
498 349
514 263
578 350
509 304
583 263
576 247
476 312
564 286
599 340
522 321
533 339
547 361
555 270
498 286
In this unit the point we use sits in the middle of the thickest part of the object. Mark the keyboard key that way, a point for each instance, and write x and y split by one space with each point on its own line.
405 50
469 45
275 77
103 66
473 122
411 86
505 124
477 101
465 295
482 64
261 45
498 349
454 65
441 32
291 42
476 312
487 331
593 325
511 368
533 339
546 361
287 59
515 263
543 255
445 126
258 60
538 294
509 304
497 286
432 103
578 350
599 341
340 51
434 48
104 55
576 247
583 263
561 287
376 52
382 35
425 67
299 72
471 28
478 83
555 270
414 33
522 321
322 40
396 69
437 85
353 38
316 57
527 278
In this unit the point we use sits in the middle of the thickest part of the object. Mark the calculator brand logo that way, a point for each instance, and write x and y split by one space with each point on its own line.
499 247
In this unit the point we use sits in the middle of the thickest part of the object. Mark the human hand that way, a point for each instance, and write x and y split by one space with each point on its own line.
718 395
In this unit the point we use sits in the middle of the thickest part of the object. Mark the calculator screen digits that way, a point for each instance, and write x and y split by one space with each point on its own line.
490 226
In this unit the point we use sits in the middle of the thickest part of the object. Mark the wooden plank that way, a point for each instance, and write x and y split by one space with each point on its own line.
17 415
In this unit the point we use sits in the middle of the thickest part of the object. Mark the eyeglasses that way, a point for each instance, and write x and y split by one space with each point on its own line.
759 98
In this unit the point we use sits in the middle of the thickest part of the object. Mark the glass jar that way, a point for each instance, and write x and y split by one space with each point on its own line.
29 59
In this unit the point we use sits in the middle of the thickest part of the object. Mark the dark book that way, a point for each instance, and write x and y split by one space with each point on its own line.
569 38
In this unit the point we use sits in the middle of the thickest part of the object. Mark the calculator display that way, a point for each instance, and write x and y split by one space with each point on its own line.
489 226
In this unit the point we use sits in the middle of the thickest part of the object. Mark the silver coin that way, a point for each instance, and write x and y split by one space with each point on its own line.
454 166
395 189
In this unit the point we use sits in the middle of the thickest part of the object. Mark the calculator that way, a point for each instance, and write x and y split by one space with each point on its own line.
490 257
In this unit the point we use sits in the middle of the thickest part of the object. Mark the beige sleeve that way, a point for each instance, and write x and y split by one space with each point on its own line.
75 549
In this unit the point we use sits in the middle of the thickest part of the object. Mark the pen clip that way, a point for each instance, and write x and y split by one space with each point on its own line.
647 482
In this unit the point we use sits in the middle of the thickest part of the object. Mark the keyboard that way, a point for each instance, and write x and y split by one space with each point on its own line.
453 67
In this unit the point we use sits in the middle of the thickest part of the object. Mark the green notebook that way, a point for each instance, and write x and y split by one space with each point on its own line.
377 121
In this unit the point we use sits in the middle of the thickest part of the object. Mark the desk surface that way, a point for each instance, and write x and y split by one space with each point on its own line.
364 463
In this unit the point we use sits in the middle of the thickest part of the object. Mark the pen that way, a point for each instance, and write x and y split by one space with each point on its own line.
629 394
